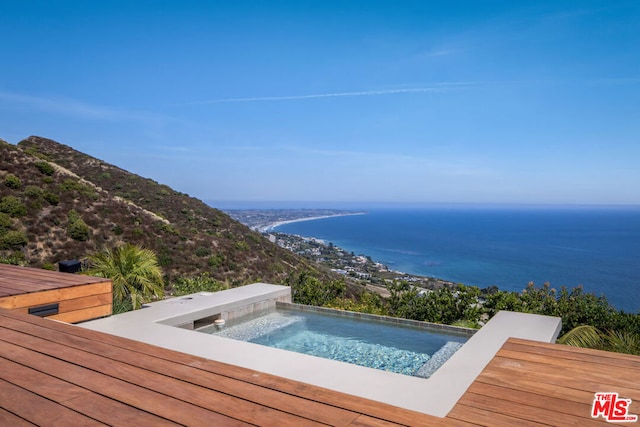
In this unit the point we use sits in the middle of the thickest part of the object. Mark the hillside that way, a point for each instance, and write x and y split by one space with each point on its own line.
58 204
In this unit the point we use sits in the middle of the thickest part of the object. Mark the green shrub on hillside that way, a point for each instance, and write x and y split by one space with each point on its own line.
202 251
201 283
49 266
215 261
73 215
366 302
574 306
13 206
45 167
5 221
309 290
70 185
16 258
50 197
13 240
444 305
242 246
33 191
12 181
77 228
164 258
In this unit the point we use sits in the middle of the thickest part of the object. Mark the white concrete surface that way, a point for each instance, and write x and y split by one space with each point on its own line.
456 375
436 395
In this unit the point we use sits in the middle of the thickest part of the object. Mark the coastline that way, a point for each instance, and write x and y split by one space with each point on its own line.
360 266
481 264
272 226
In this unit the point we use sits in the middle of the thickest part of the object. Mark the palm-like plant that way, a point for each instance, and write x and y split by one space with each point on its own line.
134 272
585 336
624 342
588 336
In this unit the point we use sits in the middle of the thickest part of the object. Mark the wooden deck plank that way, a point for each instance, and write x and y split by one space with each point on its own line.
566 380
483 417
525 412
572 353
543 384
33 408
42 384
128 393
83 314
54 295
9 419
115 413
504 377
621 374
588 378
17 280
90 301
62 362
49 277
366 421
12 287
34 277
264 381
31 284
80 399
538 402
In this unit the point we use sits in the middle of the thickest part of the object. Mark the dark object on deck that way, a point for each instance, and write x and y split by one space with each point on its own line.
44 310
69 266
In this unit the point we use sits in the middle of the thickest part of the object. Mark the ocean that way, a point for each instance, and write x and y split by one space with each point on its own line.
596 247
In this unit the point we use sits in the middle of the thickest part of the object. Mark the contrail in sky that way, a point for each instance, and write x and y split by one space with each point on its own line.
439 88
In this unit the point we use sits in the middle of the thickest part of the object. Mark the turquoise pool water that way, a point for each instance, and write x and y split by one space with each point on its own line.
374 344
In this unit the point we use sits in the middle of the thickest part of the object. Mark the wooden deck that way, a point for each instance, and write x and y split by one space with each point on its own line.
531 383
57 374
78 297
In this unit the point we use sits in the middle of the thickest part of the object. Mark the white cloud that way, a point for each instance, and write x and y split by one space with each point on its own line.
440 87
65 106
439 52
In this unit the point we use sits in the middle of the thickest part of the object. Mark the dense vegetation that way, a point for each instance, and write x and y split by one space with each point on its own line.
470 306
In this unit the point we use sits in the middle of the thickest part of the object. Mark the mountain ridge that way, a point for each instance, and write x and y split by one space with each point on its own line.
58 203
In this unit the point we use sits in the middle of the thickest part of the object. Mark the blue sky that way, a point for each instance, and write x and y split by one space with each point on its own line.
337 101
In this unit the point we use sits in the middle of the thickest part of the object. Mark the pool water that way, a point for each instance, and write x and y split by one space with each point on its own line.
374 344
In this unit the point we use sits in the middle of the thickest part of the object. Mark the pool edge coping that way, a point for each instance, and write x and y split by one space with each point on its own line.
156 324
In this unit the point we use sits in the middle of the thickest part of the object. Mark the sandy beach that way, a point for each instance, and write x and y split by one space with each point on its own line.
270 227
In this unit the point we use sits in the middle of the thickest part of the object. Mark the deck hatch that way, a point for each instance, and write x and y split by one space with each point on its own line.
44 310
